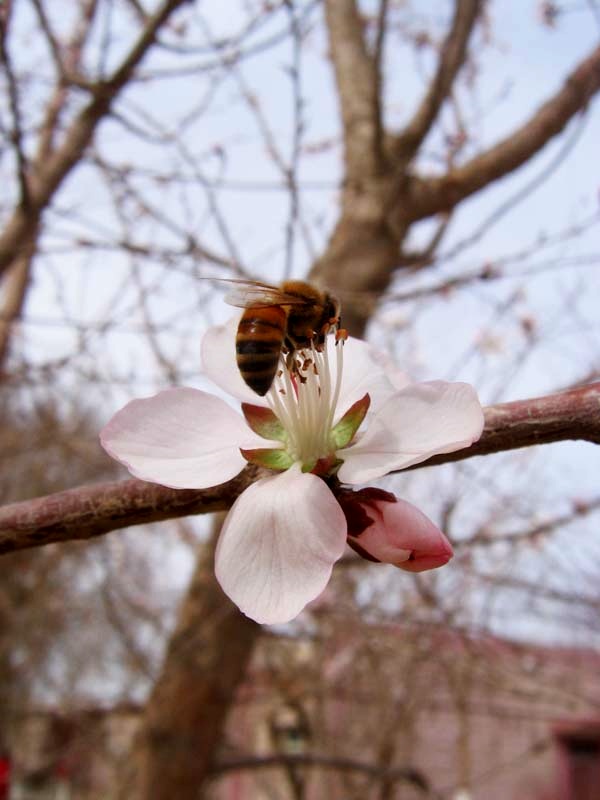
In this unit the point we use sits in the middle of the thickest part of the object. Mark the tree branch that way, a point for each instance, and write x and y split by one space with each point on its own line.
486 535
452 57
13 289
93 510
339 764
77 138
358 86
431 195
570 415
90 511
16 135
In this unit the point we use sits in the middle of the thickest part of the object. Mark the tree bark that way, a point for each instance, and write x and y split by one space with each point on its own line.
382 196
185 714
14 290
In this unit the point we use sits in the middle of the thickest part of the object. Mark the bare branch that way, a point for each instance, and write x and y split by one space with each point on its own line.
452 56
570 415
358 86
486 274
73 52
53 43
12 296
431 195
77 138
17 127
5 17
487 535
380 34
426 256
16 283
93 510
395 774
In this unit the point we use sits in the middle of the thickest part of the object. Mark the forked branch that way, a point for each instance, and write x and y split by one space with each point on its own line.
452 57
430 196
76 139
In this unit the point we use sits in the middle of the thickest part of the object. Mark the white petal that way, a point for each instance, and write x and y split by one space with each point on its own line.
279 544
420 421
183 438
365 370
219 364
396 377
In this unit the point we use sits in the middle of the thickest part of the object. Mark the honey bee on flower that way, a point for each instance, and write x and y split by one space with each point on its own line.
339 417
287 319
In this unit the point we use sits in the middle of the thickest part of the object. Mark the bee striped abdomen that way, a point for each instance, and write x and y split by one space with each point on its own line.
258 344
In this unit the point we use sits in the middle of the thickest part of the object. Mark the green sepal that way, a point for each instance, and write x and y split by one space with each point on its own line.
270 457
343 433
264 422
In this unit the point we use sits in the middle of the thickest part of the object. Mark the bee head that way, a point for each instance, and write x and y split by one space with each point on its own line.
332 309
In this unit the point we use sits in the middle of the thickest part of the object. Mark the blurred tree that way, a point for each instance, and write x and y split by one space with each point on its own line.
36 588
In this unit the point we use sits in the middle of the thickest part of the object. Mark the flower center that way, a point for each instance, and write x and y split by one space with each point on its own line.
304 397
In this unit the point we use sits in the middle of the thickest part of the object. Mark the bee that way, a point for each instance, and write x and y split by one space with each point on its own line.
278 319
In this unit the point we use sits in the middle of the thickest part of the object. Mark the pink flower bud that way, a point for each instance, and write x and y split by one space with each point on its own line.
383 528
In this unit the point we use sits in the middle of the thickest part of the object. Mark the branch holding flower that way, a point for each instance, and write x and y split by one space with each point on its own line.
336 416
89 511
286 530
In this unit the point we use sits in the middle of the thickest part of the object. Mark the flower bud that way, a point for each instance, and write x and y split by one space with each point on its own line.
383 528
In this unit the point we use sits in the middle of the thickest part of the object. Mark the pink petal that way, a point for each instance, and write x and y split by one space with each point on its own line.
278 545
219 364
418 422
402 535
183 438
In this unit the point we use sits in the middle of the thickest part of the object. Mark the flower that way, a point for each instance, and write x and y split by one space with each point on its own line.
383 528
284 533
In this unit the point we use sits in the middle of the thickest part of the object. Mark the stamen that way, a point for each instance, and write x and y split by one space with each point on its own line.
304 398
339 352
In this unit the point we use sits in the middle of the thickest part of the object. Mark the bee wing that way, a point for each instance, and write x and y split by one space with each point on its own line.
253 294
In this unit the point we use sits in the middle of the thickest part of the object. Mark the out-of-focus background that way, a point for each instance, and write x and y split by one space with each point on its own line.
399 151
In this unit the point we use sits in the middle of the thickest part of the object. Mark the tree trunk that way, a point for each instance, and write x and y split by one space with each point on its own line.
186 712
